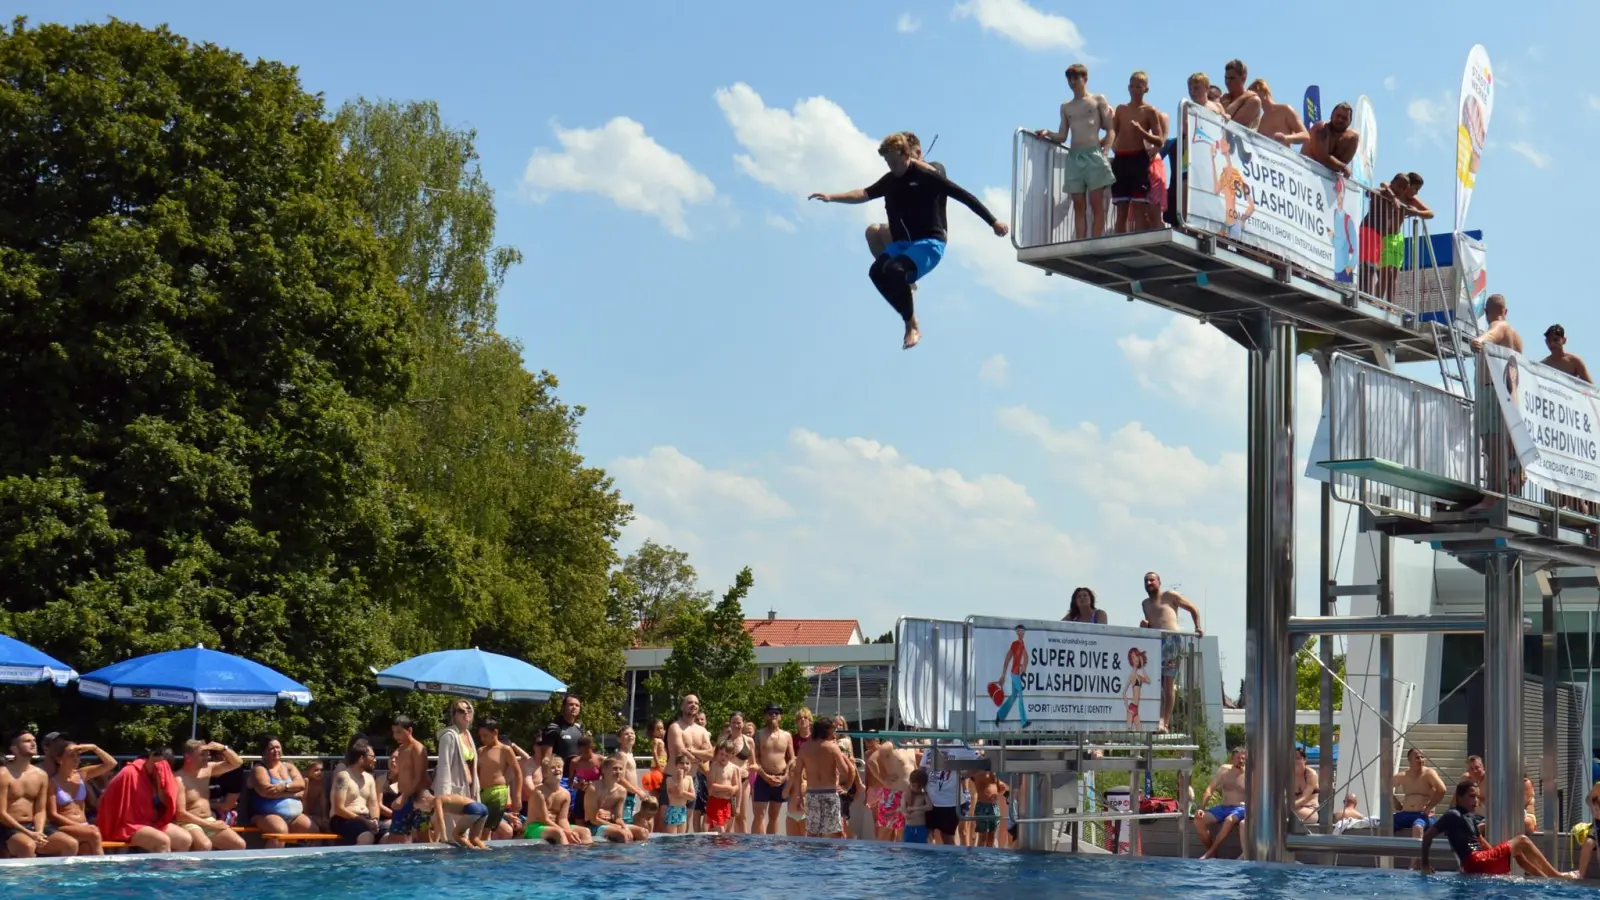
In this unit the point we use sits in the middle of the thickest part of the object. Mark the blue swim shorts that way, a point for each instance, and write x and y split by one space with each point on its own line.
1403 821
1227 812
924 254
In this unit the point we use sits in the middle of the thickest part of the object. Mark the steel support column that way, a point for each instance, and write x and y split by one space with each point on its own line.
1549 771
1325 707
1269 587
1385 691
1502 702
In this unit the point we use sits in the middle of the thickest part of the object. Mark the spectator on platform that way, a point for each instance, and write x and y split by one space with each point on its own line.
1240 104
1279 121
1203 93
1086 129
1083 609
1383 245
1139 133
1503 469
1421 789
1333 143
1555 340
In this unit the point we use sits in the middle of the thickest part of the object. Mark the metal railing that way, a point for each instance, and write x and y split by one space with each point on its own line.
1377 414
1254 193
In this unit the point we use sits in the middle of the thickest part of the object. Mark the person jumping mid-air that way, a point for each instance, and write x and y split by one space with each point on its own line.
914 198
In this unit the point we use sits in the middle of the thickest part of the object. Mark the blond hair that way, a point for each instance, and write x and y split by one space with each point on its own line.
895 143
1200 78
913 140
1260 86
1141 76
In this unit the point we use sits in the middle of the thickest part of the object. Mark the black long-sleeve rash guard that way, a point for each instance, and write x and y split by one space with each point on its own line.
915 202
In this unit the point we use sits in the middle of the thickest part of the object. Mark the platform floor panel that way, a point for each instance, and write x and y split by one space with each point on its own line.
1195 276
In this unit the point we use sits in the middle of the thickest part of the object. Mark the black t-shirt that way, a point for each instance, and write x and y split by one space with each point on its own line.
915 203
563 740
1460 829
226 784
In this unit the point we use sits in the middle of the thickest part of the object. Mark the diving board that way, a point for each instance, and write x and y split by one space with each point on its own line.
1406 478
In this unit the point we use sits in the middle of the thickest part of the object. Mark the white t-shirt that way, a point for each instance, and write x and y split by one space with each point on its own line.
944 788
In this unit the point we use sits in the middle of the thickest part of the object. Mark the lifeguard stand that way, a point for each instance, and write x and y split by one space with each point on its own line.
1404 450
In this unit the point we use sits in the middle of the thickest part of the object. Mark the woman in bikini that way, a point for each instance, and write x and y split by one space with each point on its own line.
279 805
69 793
1082 608
585 772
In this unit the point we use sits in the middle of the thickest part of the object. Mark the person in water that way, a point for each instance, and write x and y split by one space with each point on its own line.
914 197
1458 825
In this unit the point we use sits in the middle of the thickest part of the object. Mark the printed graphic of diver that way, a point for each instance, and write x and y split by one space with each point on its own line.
1012 669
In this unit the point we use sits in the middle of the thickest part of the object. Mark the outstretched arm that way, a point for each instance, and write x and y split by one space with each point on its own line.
856 196
973 203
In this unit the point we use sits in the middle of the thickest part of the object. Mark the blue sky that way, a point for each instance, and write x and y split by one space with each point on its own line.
745 382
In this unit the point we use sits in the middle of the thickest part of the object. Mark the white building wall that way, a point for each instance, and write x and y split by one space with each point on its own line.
1357 723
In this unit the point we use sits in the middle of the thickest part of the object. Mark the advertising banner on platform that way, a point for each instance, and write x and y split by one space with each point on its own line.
1552 420
1250 188
1058 676
1472 126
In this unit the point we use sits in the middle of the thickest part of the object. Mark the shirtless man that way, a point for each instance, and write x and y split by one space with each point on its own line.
724 781
550 808
1501 461
894 768
408 773
1161 613
988 793
1306 787
501 787
1240 104
1351 809
1279 121
1088 173
1383 243
1421 789
827 771
24 805
355 805
603 805
1555 340
200 765
1200 89
686 736
1137 131
1333 143
774 754
1230 812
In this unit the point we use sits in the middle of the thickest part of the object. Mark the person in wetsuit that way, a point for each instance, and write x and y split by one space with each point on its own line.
1459 826
914 195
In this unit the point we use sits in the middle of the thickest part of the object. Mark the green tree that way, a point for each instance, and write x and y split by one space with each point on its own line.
714 658
657 592
886 638
1308 685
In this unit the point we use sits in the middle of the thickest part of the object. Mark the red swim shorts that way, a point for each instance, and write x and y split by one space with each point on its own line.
1494 861
718 811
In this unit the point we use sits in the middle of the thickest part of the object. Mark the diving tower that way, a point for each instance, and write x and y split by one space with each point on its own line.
1267 247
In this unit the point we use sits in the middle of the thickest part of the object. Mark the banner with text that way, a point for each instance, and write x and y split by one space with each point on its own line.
1252 189
1048 676
1552 419
1472 126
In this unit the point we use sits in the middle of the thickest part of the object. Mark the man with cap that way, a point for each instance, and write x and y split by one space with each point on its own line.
1555 338
774 755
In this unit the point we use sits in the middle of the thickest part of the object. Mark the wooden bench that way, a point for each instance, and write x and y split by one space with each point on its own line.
1160 837
300 838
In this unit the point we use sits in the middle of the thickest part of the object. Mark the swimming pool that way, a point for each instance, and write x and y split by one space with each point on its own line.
745 868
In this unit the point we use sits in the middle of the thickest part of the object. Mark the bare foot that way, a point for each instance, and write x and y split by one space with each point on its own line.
912 337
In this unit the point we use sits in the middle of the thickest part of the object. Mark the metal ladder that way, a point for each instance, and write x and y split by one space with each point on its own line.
1448 343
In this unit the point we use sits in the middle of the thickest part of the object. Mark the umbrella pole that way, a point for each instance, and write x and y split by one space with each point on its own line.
194 720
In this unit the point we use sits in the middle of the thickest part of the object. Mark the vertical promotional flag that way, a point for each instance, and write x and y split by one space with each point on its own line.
1365 122
1311 109
1477 102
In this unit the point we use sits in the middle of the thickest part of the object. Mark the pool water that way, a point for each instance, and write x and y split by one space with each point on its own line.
743 868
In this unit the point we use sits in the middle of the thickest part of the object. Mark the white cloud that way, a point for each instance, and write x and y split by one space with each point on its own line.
908 23
671 480
995 370
1029 28
1594 101
993 260
1196 364
1389 83
1424 112
780 223
1130 465
815 147
620 161
1532 154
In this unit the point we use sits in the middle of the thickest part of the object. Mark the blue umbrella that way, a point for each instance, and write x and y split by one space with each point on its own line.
22 664
194 678
472 673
